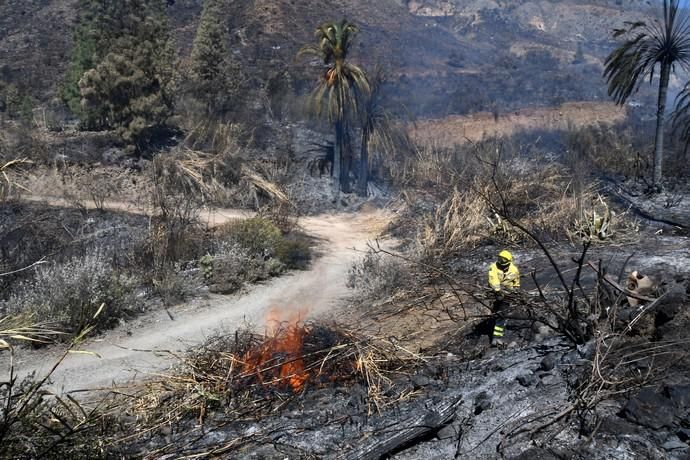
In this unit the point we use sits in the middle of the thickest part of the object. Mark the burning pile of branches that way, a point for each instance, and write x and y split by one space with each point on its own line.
248 375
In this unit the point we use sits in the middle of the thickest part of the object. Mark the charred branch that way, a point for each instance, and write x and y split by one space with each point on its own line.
404 432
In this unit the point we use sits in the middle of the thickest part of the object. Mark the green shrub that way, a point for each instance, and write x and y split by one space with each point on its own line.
275 267
258 236
295 252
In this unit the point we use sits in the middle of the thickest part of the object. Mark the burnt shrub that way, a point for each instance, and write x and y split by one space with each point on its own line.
171 285
173 241
377 276
70 293
229 269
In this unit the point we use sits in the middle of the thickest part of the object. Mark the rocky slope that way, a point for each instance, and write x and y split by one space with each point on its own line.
442 57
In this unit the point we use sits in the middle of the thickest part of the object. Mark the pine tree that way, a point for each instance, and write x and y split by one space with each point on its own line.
129 88
90 46
215 80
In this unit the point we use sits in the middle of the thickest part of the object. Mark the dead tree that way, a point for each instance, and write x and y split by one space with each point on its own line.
323 163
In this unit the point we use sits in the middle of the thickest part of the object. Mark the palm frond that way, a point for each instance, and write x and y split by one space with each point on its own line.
343 83
681 115
310 50
648 44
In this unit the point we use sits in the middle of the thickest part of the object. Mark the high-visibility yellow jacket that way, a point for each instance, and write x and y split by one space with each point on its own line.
509 280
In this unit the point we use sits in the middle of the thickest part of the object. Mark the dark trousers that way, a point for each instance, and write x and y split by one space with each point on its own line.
498 328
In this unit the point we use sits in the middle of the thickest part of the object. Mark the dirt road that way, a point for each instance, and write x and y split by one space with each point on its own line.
140 348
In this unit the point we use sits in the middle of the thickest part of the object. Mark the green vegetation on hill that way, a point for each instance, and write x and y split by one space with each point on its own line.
213 76
121 73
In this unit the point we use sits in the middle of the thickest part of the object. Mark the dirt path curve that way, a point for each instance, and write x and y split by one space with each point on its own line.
310 293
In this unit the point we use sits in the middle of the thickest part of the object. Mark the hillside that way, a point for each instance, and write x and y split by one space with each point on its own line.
476 256
442 57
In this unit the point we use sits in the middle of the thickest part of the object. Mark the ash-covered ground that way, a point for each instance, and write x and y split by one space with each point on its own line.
622 394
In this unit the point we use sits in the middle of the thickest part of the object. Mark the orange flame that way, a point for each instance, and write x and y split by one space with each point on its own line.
293 370
278 360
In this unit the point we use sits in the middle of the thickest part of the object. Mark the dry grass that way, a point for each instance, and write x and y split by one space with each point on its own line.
611 149
248 376
24 329
546 200
458 223
7 184
35 422
541 197
221 177
207 177
427 166
259 184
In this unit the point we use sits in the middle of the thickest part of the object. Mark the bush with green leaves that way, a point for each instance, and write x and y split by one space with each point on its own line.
294 251
251 250
257 235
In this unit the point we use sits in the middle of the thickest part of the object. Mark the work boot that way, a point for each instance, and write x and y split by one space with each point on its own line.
498 343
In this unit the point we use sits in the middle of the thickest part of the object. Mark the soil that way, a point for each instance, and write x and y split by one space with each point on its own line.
148 345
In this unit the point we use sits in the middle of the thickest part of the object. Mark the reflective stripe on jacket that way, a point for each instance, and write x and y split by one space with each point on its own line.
498 279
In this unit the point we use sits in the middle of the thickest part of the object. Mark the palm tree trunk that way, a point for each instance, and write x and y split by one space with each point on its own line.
337 154
346 158
660 124
364 164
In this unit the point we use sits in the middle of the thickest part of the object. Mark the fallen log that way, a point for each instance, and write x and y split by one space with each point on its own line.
383 443
627 198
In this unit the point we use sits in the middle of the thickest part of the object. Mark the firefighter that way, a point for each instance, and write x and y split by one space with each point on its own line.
504 277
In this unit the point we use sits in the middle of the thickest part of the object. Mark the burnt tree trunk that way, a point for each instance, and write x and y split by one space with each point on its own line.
337 156
364 164
346 159
379 445
660 124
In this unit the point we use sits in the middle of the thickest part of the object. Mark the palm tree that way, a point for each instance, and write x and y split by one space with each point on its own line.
665 42
340 86
376 122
